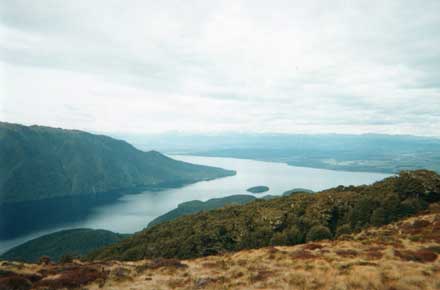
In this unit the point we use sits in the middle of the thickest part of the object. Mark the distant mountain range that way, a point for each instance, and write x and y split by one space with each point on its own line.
366 152
40 162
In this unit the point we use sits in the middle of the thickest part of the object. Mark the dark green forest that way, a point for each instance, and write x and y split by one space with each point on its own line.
287 220
41 162
194 206
73 243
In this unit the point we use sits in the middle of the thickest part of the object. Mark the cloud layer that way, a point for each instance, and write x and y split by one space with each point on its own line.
211 66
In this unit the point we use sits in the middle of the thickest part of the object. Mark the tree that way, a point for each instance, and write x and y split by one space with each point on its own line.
279 239
66 258
408 186
343 230
294 235
410 206
318 232
45 260
378 217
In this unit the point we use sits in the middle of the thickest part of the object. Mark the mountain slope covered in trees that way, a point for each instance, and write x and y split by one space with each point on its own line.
40 162
287 220
75 242
195 206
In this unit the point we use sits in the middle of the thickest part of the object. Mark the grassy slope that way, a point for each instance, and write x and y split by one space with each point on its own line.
41 162
281 221
402 255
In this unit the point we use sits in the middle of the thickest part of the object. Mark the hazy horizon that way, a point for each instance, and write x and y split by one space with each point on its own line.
198 67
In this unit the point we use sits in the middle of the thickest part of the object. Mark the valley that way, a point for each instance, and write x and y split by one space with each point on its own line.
219 145
383 153
130 212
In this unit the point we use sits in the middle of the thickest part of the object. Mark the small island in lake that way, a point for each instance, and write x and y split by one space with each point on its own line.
258 189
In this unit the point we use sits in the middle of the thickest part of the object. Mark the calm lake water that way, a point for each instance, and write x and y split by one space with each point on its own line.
131 213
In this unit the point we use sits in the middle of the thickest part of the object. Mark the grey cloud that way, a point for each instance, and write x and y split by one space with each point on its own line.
360 64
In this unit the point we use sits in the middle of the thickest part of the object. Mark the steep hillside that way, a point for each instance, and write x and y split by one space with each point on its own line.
41 162
403 256
195 206
287 220
76 242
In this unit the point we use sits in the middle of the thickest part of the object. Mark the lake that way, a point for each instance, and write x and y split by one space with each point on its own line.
132 212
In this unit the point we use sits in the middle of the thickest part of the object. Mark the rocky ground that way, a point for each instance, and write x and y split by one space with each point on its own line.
400 256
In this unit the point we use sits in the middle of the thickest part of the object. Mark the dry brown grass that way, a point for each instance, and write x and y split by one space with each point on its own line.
74 278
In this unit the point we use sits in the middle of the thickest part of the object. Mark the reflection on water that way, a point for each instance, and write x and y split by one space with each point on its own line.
21 218
132 212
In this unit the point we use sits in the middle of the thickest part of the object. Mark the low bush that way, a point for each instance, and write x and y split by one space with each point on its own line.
422 255
66 259
15 282
318 233
72 278
44 260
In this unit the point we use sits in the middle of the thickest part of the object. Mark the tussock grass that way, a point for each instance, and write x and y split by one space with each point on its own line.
364 261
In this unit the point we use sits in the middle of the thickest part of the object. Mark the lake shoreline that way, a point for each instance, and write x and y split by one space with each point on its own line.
291 163
131 211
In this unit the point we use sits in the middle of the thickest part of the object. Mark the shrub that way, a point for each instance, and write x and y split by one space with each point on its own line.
257 238
361 213
66 259
408 186
422 255
318 233
290 236
312 247
435 249
378 217
294 236
303 255
347 253
159 263
73 278
174 263
374 254
261 275
279 239
343 230
410 206
15 282
44 260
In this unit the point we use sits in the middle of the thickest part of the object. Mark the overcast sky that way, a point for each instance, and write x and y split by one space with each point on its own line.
222 66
